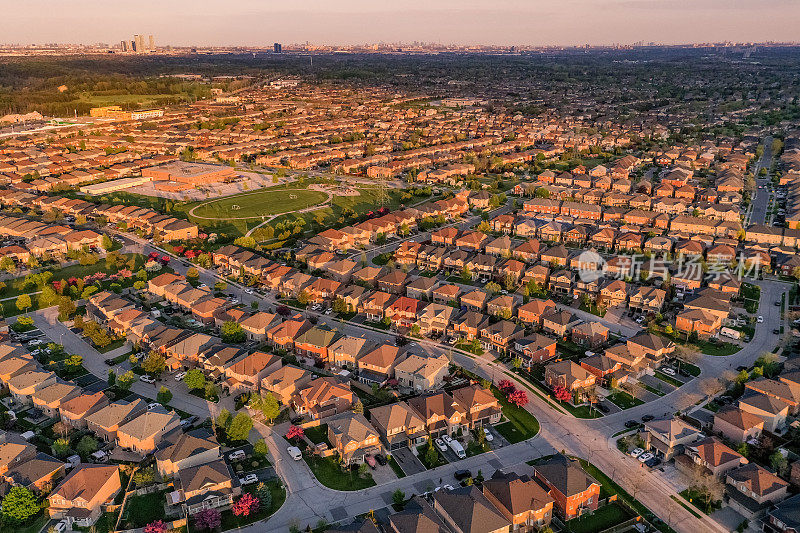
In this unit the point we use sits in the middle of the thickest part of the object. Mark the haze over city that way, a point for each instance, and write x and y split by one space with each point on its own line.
462 22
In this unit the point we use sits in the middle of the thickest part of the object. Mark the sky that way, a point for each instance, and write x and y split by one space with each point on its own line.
347 22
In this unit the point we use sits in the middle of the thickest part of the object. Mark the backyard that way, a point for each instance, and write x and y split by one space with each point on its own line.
329 473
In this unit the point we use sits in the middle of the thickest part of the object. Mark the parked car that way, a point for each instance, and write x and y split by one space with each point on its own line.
636 452
489 436
631 424
381 459
645 457
776 331
249 291
653 462
668 371
295 453
180 375
153 405
60 527
238 455
448 487
447 439
601 407
647 418
760 319
370 461
249 479
147 379
461 475
441 445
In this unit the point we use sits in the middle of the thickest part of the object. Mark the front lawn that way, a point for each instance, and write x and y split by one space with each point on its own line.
329 473
423 450
693 497
623 400
524 423
396 467
318 434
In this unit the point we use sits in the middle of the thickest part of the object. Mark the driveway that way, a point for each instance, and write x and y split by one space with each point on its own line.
408 462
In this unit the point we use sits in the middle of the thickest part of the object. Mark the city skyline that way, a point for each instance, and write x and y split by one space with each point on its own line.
353 22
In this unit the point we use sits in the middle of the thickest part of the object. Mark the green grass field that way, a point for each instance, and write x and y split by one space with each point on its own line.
126 100
259 203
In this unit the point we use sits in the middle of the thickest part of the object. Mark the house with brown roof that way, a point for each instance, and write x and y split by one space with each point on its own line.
24 385
532 312
49 399
751 489
573 490
559 322
591 334
525 503
481 405
467 510
399 426
37 474
442 414
106 421
711 456
285 382
82 494
668 437
323 397
282 336
184 450
738 425
74 411
377 366
246 373
257 325
353 437
144 433
211 485
534 348
571 376
14 452
475 300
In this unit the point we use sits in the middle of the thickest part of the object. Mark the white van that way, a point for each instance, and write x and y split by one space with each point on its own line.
295 453
457 448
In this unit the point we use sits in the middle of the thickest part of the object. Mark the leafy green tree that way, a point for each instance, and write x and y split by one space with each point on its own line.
154 363
106 242
124 381
195 379
19 505
267 404
260 448
61 447
232 332
66 308
192 274
86 446
112 378
164 395
8 264
73 363
240 427
224 419
431 455
398 497
23 302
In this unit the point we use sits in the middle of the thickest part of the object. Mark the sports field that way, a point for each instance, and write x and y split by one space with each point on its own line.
258 204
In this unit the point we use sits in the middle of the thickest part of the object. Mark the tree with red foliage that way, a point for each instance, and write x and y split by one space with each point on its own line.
562 394
506 386
178 249
295 432
156 527
518 398
247 505
208 519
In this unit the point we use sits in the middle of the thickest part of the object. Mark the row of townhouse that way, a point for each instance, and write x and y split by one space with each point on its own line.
505 502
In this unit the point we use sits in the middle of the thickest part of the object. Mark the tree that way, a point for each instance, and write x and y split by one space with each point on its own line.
518 398
268 405
192 274
303 298
23 302
295 433
562 393
224 419
398 497
711 387
86 446
240 427
208 519
232 332
61 447
112 378
73 363
164 395
19 505
492 288
431 455
106 242
125 380
195 379
506 386
220 286
154 363
8 264
260 448
66 308
246 505
778 462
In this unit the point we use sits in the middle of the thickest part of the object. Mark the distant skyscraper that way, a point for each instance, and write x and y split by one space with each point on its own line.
277 48
151 43
138 43
125 45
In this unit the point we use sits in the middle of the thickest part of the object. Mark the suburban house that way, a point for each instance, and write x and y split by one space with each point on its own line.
145 432
573 490
246 373
571 376
467 510
81 495
210 485
398 425
771 410
738 425
667 437
285 382
442 414
521 500
480 404
74 412
323 397
353 437
751 489
106 422
378 365
534 348
422 373
185 450
712 456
